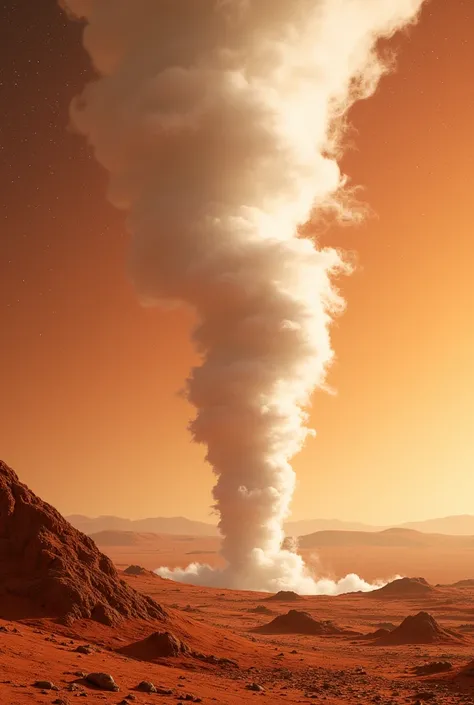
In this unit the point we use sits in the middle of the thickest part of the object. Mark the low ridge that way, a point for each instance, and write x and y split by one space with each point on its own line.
468 583
283 596
403 587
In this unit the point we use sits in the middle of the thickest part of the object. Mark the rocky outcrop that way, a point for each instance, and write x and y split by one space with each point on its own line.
49 569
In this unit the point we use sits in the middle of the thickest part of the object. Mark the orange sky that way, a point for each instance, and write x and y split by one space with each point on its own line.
90 418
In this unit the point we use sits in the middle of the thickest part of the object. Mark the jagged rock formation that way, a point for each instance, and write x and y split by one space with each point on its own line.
49 569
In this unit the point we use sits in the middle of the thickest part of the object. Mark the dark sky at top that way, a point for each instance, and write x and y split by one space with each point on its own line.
52 206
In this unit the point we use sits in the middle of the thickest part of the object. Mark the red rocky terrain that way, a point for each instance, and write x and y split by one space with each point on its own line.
73 626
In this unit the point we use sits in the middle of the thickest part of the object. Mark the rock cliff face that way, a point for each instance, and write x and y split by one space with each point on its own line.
49 569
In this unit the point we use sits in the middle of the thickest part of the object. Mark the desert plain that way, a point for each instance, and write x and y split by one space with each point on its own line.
438 558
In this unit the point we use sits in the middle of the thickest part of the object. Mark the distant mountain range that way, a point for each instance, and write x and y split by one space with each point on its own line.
156 525
388 538
462 525
115 537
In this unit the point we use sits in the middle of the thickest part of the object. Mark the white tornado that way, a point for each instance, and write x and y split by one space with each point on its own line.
221 124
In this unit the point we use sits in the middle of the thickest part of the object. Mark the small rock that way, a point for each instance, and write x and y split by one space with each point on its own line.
146 687
256 687
84 650
45 685
163 691
433 667
59 701
104 681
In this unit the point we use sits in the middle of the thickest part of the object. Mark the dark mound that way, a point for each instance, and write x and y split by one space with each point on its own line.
466 627
135 570
261 609
283 596
157 645
420 628
428 669
460 678
463 583
468 670
404 587
379 633
49 569
388 626
295 622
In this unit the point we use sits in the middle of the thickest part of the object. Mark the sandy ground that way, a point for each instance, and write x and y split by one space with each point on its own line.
341 669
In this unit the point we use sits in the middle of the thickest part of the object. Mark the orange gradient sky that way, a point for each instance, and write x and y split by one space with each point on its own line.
90 417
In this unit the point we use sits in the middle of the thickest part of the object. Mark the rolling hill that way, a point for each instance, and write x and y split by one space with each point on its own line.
155 525
389 538
462 525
